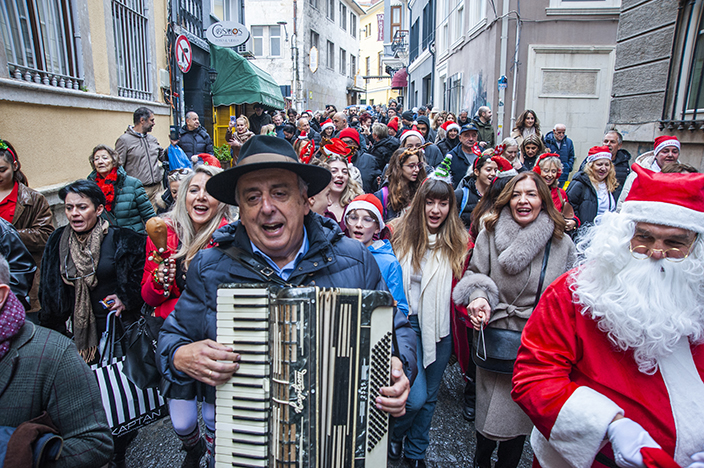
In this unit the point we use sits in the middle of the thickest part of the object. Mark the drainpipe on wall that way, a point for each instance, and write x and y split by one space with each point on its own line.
502 70
515 64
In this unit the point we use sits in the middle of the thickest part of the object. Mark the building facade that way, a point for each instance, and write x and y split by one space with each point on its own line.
421 53
309 46
555 57
377 82
659 76
71 75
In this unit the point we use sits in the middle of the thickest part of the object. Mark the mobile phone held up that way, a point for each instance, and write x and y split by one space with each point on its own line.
107 304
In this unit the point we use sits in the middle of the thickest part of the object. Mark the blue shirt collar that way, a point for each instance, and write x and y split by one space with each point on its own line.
285 272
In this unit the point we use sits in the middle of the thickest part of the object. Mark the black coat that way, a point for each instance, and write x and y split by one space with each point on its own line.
383 149
583 198
195 141
21 262
57 298
367 165
622 166
470 184
446 145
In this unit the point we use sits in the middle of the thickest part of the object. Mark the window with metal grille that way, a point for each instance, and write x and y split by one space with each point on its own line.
39 42
132 54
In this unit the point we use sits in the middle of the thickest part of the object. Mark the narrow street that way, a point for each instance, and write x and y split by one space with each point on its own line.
451 437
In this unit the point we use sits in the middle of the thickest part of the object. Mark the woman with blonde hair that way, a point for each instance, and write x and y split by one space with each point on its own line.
239 137
343 188
431 244
520 251
527 124
591 191
190 226
404 175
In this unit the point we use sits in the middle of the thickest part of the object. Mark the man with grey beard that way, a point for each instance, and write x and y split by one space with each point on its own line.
611 361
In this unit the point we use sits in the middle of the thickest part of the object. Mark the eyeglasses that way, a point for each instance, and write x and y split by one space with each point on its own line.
182 171
353 219
674 255
413 166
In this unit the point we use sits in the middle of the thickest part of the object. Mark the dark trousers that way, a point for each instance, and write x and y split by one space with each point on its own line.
470 374
510 452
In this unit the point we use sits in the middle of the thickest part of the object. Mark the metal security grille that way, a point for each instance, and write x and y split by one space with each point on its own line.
40 42
132 49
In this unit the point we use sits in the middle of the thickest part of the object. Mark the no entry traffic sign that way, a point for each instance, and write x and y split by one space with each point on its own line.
184 53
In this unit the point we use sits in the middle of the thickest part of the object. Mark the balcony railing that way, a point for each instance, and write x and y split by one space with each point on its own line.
190 16
33 75
399 43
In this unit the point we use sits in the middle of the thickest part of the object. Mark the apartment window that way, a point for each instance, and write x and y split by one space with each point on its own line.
130 26
477 12
39 42
353 24
266 41
313 3
685 96
367 62
413 48
275 41
331 56
458 30
221 9
353 66
343 62
368 30
380 70
331 10
343 17
428 24
562 7
258 40
315 40
395 20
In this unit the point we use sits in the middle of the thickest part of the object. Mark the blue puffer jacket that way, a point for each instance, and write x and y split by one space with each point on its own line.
391 271
566 152
131 207
332 260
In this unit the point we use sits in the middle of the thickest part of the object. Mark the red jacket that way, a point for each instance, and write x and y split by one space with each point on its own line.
154 296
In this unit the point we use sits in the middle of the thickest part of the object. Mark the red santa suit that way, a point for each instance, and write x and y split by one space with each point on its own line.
571 381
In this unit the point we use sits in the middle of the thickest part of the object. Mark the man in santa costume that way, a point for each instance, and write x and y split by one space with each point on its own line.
612 359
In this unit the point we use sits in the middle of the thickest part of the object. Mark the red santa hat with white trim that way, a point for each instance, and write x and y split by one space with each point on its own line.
663 142
668 199
450 125
370 203
327 124
413 132
599 152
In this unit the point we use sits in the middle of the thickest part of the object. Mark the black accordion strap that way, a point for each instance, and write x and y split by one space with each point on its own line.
264 271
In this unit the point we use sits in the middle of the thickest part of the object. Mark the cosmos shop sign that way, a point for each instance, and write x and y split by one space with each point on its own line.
227 34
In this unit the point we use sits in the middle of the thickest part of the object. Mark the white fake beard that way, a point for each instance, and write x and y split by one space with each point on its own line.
647 305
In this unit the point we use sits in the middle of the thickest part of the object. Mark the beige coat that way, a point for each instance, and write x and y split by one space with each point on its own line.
505 270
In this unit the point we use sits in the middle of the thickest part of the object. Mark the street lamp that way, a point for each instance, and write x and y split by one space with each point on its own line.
212 75
284 23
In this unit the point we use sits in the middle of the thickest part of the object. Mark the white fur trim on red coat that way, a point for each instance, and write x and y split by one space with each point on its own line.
579 431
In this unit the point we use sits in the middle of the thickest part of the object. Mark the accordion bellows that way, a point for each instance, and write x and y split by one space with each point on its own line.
313 361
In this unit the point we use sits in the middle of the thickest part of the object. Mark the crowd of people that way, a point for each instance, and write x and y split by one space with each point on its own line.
574 305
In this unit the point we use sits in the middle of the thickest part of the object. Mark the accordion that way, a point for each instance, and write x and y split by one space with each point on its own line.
312 363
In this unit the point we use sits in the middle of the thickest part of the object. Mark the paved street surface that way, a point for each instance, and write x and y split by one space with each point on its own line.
451 437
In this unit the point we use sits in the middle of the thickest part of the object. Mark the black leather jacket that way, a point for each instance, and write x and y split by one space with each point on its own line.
22 266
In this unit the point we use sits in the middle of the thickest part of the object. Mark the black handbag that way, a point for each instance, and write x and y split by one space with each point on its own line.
495 349
140 352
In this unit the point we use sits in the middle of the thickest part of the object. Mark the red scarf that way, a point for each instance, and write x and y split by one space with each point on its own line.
107 185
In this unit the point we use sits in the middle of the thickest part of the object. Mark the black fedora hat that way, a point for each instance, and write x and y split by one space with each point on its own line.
266 152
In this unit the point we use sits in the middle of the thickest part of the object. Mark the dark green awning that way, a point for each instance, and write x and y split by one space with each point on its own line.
241 82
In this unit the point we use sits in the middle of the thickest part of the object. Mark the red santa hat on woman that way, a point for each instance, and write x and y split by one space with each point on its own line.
393 124
668 199
327 124
450 125
413 132
598 152
663 142
544 156
504 166
370 203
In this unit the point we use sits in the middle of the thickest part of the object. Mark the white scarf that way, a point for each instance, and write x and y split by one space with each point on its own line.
433 307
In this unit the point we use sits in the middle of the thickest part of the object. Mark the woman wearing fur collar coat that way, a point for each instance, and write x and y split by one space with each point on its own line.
500 289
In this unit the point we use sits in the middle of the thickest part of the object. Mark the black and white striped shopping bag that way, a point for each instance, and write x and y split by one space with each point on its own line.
127 406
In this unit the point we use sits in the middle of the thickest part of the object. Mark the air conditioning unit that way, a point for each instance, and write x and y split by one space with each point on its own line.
245 50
